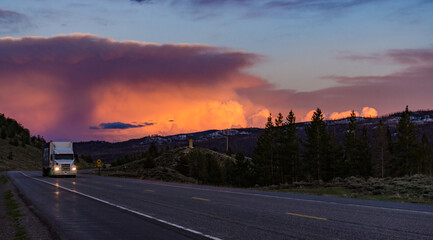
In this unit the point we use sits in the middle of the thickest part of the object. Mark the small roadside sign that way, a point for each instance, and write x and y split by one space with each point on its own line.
99 166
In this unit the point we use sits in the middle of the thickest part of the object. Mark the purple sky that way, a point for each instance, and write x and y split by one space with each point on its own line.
118 69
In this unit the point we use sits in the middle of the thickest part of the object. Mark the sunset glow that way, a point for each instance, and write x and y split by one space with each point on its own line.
117 78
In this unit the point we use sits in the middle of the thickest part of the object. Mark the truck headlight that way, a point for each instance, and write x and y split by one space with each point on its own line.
74 168
56 169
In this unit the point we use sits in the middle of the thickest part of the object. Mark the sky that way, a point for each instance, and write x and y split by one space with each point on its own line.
119 69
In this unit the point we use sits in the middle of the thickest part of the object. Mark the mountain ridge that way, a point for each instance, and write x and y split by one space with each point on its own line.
240 139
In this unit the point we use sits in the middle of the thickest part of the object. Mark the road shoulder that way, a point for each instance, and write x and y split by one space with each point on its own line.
34 227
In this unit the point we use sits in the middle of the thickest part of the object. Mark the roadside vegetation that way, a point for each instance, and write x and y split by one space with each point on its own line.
13 213
12 210
409 189
18 149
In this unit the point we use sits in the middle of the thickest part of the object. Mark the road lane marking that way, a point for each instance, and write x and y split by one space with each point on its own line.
294 199
203 199
291 198
118 185
126 209
149 190
301 215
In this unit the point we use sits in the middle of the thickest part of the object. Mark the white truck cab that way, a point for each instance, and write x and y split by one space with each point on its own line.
58 160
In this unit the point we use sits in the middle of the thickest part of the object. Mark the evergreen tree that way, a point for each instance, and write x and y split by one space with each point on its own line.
153 151
316 145
381 155
214 170
243 171
406 146
263 155
279 150
3 133
279 120
335 164
229 151
351 142
425 165
364 154
290 166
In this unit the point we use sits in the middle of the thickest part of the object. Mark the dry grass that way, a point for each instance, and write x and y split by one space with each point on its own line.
18 157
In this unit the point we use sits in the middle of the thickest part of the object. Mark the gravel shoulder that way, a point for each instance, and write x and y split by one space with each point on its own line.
34 226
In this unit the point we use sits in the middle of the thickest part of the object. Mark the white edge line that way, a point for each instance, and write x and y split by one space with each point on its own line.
126 209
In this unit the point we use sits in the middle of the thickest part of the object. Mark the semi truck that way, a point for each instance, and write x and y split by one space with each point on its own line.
58 160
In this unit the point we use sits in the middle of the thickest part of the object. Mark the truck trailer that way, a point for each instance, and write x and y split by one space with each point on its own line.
58 159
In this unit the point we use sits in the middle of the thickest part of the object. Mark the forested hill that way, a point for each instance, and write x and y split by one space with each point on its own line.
19 150
245 139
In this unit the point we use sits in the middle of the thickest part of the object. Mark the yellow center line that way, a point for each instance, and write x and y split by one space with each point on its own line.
148 190
203 199
300 215
117 185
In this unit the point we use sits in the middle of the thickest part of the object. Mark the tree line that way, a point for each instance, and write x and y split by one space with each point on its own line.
282 157
17 135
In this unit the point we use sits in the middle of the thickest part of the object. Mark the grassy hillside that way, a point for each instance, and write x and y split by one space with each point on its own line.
198 165
18 157
18 149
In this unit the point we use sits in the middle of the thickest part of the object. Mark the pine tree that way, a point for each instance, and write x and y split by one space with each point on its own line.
153 151
381 155
425 165
364 154
335 165
279 120
351 159
243 170
317 145
290 164
3 133
279 150
406 146
263 155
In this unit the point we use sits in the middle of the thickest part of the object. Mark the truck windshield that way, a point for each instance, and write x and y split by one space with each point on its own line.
64 156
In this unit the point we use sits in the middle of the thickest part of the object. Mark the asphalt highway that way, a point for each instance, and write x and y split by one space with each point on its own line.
93 207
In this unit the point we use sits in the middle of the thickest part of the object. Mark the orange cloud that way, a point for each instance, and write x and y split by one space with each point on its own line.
369 112
308 116
341 115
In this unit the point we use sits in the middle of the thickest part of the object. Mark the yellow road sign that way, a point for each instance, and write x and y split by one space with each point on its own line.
99 161
99 165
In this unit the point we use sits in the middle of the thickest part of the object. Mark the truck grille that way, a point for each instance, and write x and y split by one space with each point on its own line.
66 167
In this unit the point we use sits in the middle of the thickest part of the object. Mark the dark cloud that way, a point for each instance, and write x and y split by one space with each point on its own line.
120 125
325 5
13 22
202 9
396 56
142 1
83 54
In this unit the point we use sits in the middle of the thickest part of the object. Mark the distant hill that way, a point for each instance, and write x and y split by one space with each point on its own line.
182 164
18 149
240 139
